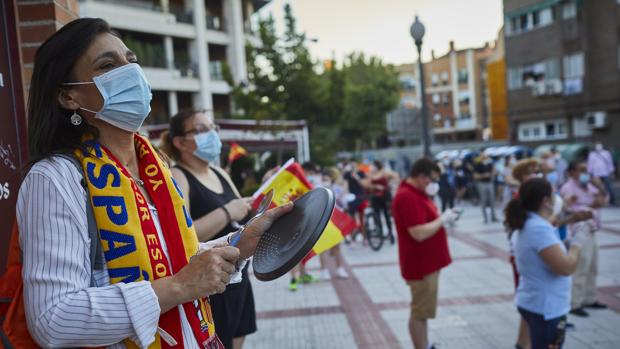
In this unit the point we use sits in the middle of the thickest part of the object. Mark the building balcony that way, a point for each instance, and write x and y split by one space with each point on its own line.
460 125
219 87
140 16
171 80
218 37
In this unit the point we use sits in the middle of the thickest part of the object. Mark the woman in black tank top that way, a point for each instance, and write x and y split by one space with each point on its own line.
214 205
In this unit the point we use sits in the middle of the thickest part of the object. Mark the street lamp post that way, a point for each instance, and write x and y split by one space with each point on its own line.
417 33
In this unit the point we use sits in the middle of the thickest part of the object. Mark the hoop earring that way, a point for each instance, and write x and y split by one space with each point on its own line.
76 119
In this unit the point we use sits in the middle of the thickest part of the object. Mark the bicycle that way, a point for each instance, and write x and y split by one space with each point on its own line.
374 231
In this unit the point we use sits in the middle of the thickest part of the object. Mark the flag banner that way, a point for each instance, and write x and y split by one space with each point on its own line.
288 184
236 152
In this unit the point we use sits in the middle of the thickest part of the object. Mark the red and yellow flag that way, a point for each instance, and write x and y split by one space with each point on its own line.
236 151
288 184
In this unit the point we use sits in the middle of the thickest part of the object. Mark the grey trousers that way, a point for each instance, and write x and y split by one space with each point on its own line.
486 193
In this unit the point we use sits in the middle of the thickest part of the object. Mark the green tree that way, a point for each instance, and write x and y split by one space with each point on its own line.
372 90
344 107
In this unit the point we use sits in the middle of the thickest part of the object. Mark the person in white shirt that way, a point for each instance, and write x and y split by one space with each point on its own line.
86 83
601 165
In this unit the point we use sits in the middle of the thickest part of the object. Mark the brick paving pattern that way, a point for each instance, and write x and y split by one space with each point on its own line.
476 310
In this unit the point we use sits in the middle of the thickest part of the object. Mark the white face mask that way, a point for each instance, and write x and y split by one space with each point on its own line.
558 204
432 188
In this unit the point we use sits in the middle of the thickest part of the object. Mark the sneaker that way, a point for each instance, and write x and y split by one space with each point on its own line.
579 312
293 285
325 275
307 278
596 305
341 273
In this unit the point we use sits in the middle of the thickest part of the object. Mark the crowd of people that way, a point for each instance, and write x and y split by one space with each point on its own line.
160 266
551 214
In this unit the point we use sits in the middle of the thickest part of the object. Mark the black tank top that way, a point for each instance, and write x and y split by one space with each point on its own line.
203 200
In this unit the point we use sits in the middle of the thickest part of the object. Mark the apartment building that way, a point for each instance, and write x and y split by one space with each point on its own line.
185 47
456 94
563 70
403 123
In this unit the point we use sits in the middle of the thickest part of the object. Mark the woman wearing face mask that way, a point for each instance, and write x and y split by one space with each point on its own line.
132 282
215 206
544 263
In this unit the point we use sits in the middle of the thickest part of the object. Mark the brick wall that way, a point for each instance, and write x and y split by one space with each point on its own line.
37 20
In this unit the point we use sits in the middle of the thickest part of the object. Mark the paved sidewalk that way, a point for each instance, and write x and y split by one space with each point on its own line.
370 309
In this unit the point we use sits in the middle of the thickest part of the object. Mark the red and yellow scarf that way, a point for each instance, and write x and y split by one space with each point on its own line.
131 246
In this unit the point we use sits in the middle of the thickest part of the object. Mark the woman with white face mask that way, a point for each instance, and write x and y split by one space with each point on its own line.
543 261
90 172
216 206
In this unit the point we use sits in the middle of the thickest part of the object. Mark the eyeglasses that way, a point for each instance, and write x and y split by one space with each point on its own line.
202 128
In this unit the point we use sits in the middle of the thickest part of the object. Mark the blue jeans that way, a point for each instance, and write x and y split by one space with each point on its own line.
609 186
544 333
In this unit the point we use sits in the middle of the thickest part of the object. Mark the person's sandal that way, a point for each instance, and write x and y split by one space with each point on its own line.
579 312
596 305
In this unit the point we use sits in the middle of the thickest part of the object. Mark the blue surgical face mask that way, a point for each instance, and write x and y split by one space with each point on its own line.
552 177
126 97
584 178
208 146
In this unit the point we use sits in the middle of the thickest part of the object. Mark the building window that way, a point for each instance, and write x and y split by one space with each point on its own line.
436 98
545 17
529 21
573 65
531 74
446 100
463 76
569 10
535 131
514 78
444 78
434 79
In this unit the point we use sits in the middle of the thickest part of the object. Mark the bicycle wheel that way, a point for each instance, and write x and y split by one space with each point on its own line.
374 232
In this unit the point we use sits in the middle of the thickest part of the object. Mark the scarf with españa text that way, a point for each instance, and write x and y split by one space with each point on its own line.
131 245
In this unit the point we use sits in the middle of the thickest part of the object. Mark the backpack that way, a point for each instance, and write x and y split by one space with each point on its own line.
13 329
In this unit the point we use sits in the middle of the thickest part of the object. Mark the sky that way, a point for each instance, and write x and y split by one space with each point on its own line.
381 27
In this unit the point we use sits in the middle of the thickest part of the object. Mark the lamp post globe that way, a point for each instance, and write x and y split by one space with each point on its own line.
417 31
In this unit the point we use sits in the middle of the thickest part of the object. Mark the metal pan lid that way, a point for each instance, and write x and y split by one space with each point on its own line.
293 235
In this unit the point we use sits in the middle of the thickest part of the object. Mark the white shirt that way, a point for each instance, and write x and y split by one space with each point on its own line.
61 308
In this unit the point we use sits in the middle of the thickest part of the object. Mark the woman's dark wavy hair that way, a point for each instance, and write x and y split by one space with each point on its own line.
49 128
531 195
176 128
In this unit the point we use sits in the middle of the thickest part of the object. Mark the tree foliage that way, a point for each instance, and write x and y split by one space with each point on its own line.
344 105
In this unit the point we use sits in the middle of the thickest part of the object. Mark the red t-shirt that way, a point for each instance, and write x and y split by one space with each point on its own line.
412 207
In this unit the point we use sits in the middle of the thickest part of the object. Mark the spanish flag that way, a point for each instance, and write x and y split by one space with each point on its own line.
288 184
236 151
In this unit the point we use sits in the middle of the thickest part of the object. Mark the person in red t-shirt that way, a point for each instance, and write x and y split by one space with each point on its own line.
422 243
